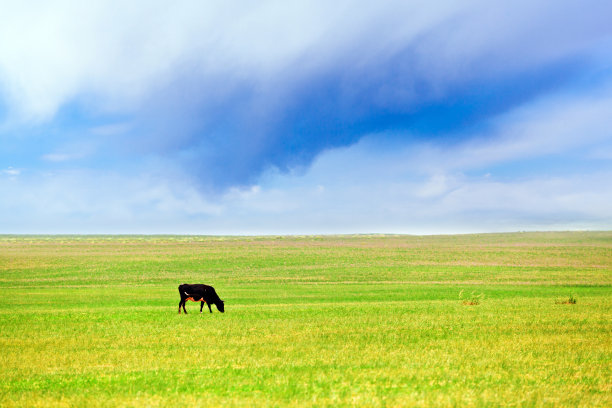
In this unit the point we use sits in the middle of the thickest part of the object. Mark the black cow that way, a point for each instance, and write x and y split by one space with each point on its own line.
200 293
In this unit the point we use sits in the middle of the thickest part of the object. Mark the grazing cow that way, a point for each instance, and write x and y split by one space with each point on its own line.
199 293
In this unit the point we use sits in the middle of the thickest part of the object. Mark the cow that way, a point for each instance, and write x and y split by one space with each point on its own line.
200 293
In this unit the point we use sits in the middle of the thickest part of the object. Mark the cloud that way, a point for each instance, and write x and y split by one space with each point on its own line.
559 125
441 203
77 201
63 157
10 172
230 90
310 116
146 44
534 170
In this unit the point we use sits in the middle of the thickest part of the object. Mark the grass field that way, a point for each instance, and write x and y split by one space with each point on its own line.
310 321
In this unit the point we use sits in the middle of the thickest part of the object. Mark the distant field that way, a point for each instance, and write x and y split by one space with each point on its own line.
311 321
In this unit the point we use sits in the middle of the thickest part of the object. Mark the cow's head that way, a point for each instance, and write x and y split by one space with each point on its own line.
221 306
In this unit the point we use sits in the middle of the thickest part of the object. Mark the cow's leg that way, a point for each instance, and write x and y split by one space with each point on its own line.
209 309
202 305
182 304
184 310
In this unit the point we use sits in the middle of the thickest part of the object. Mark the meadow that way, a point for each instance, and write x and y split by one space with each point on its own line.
360 320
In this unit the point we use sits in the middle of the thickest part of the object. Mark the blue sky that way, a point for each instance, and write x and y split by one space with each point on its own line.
305 117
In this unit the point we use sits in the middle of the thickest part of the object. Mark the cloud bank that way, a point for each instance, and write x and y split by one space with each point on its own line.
304 116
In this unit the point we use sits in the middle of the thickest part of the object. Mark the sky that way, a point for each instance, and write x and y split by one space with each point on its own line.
305 117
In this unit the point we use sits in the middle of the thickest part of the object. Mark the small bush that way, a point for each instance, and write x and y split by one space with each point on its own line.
472 300
570 301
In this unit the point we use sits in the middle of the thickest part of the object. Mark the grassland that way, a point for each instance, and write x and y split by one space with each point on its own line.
310 321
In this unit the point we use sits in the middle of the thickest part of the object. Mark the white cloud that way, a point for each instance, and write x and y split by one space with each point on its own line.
59 157
559 124
318 201
436 186
118 53
76 150
51 52
10 171
104 202
447 203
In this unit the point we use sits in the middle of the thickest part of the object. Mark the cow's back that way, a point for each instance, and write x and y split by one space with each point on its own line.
197 289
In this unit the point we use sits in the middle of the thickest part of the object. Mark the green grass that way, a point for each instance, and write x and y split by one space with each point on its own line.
311 321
